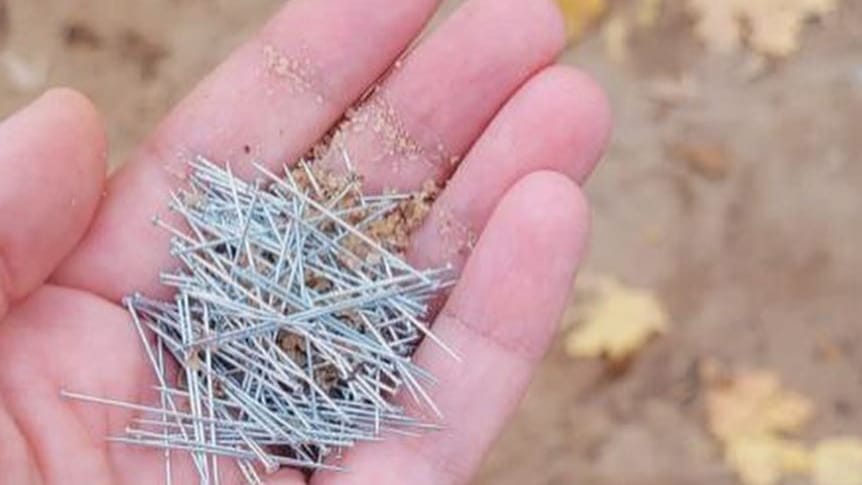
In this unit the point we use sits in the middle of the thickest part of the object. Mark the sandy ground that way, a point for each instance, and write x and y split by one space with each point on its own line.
755 256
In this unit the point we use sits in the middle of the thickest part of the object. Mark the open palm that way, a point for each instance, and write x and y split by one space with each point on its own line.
511 218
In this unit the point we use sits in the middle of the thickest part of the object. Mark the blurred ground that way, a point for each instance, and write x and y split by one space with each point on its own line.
752 247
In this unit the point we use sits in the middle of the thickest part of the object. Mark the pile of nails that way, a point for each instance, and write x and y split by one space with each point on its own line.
291 328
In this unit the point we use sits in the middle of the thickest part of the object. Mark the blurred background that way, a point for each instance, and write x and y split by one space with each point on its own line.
715 334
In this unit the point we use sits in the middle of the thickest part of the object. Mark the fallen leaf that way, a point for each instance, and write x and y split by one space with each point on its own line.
717 24
765 460
581 15
838 461
24 72
673 90
751 414
79 34
617 322
137 48
647 13
709 160
755 404
776 24
773 26
616 36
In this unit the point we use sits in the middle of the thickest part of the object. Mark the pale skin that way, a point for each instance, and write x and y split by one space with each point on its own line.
483 87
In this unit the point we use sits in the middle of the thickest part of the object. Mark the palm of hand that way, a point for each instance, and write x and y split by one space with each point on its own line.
480 85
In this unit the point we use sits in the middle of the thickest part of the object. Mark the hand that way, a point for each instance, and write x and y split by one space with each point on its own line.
73 244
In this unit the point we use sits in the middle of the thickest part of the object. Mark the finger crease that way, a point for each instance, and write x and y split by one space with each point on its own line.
457 236
445 467
5 284
27 460
487 335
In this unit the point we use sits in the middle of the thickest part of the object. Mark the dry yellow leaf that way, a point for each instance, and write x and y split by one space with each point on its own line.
755 404
617 322
647 13
717 24
616 36
774 26
581 14
838 461
765 460
751 413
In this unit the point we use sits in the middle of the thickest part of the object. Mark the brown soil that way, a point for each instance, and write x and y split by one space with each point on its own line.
737 200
